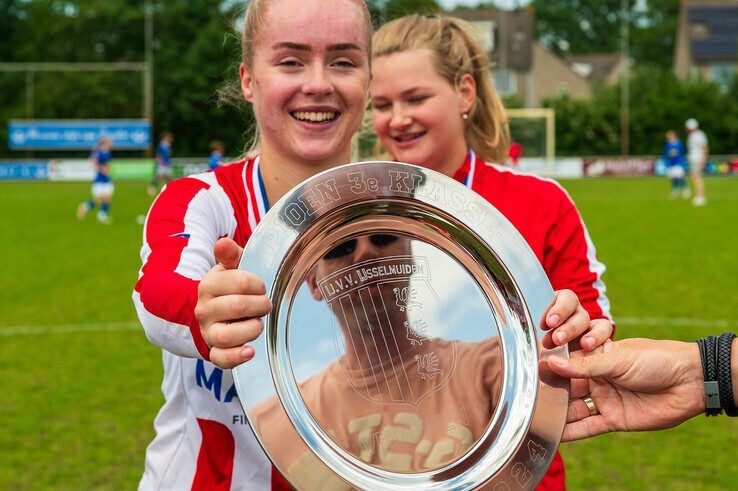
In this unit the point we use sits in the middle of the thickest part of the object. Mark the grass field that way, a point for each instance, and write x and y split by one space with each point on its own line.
80 382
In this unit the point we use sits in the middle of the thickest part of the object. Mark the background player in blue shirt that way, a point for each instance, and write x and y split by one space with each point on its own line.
676 162
163 170
216 154
102 184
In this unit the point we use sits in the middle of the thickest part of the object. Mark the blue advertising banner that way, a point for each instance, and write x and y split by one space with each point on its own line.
26 171
78 134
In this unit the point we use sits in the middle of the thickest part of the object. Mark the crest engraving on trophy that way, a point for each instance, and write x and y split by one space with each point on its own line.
428 365
405 298
377 306
417 332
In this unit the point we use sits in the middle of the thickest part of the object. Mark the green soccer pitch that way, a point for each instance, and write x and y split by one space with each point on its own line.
80 382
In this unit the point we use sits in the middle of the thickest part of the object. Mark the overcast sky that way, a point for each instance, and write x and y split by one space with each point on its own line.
506 4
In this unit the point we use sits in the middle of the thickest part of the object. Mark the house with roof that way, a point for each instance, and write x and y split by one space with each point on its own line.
707 40
524 67
597 68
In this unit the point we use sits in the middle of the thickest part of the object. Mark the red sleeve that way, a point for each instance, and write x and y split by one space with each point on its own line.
570 260
179 236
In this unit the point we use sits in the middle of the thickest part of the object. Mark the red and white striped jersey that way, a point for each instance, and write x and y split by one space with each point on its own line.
544 214
203 440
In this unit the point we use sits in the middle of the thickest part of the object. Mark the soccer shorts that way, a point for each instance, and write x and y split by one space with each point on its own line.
696 165
675 172
102 189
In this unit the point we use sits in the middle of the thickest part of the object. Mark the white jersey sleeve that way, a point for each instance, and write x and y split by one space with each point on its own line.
181 229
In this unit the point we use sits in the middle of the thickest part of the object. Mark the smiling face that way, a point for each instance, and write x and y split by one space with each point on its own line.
417 114
309 79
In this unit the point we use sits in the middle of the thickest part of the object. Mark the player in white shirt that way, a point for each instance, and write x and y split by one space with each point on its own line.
697 151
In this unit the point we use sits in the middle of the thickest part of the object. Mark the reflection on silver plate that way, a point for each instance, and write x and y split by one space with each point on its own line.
404 345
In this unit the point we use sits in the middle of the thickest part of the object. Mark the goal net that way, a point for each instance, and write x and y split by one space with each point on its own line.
535 130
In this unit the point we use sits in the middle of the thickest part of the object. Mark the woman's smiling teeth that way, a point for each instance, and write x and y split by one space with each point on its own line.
409 136
314 116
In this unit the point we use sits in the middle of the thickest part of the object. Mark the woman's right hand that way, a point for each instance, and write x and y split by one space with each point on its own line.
230 304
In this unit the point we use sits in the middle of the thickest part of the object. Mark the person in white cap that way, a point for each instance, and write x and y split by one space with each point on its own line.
697 155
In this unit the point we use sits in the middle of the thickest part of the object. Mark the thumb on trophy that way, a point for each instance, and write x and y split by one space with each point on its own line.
228 253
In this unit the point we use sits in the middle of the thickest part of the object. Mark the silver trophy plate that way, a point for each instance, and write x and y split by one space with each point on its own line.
404 345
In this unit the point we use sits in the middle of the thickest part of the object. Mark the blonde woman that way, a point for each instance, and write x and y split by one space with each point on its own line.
191 300
434 104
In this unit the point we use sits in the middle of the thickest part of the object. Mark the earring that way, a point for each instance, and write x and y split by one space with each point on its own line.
465 116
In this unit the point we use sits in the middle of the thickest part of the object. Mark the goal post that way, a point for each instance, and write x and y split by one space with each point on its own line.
31 68
144 68
535 129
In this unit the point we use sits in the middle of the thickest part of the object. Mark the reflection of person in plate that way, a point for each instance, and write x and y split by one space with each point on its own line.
397 398
365 281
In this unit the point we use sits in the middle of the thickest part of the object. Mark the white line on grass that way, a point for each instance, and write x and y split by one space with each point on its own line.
69 328
677 322
135 326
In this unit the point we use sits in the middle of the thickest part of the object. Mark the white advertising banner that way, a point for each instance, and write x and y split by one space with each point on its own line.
563 168
71 170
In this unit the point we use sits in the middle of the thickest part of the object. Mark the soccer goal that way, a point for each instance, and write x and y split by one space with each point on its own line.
535 130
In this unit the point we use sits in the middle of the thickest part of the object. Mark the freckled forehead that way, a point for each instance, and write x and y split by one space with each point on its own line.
316 23
402 71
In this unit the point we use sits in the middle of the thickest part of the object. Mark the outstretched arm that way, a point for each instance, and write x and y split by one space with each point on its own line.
636 384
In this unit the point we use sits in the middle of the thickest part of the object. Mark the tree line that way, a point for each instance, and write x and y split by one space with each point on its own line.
658 102
196 51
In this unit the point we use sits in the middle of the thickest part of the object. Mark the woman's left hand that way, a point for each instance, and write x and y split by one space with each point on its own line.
567 322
